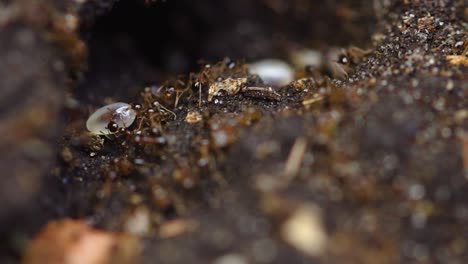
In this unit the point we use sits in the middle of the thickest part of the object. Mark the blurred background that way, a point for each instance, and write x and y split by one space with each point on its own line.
398 157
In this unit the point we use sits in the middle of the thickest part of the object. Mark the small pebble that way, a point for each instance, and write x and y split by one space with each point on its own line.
305 232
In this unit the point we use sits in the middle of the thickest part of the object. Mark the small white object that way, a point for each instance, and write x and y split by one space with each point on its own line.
232 258
307 57
305 231
139 223
273 72
121 114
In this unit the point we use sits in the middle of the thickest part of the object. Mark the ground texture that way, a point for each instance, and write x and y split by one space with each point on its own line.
364 163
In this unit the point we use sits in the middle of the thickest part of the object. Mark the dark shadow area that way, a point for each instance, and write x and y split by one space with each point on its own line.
135 44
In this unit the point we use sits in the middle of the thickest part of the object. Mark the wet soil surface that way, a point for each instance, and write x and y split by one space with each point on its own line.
364 164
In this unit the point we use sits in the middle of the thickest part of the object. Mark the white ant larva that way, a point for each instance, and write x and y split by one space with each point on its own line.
108 119
273 72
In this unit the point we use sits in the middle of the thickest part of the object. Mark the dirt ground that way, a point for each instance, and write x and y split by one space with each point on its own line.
361 159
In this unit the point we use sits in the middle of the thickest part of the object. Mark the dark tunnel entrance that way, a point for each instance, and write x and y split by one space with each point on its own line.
136 43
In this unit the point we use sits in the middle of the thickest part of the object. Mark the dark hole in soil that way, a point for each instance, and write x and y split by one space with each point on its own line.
135 44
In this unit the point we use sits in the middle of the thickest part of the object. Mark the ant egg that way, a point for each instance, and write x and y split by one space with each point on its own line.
306 58
106 120
273 72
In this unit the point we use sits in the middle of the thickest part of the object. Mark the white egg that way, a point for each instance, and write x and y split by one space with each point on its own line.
273 72
120 114
306 57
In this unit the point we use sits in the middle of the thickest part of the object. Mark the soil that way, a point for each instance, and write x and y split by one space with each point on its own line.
373 156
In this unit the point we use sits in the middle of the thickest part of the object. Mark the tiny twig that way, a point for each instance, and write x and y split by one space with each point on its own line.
266 93
296 155
160 106
199 96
